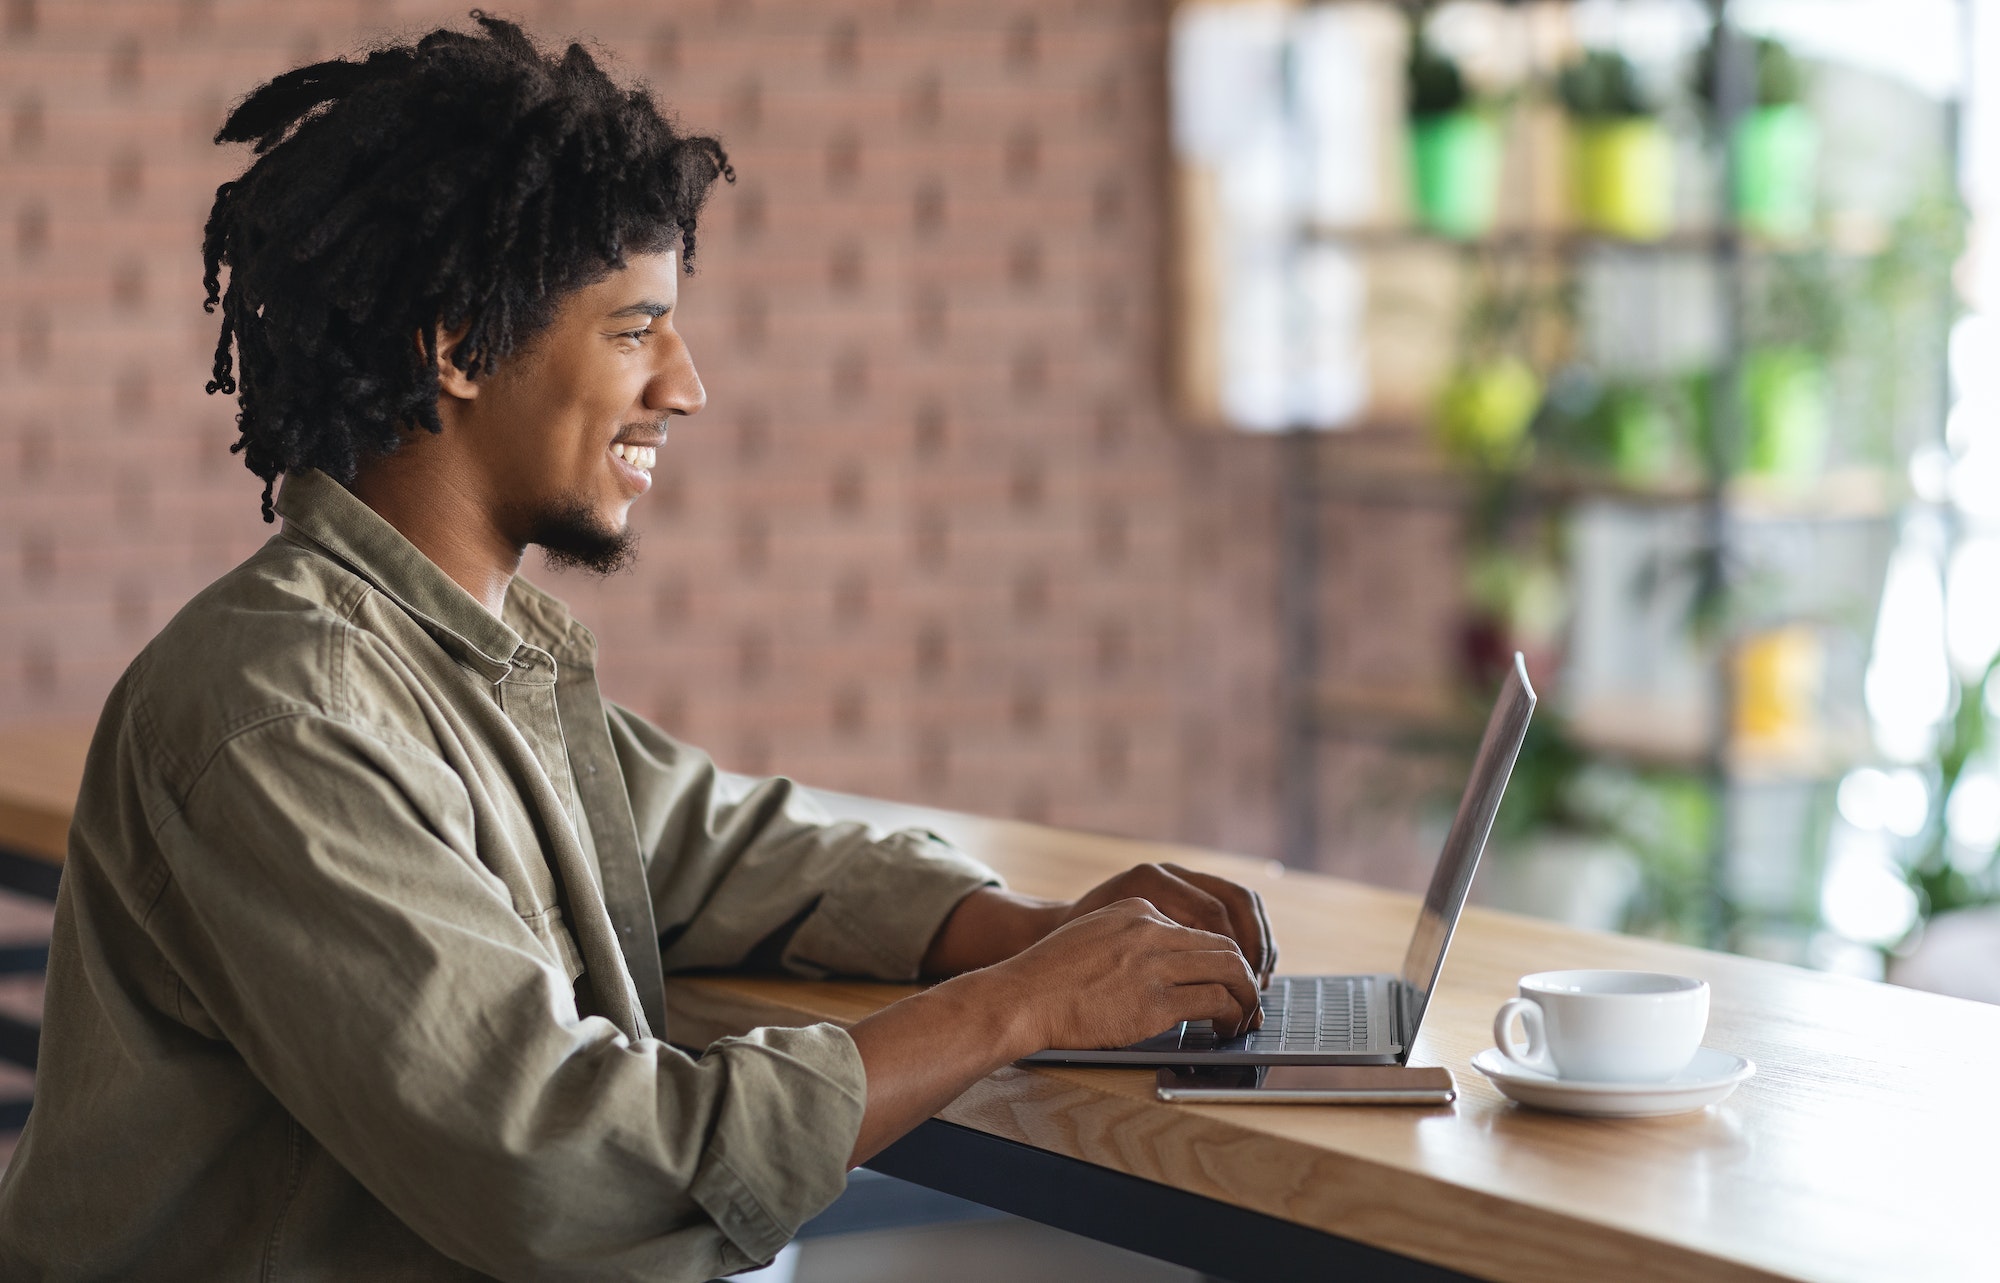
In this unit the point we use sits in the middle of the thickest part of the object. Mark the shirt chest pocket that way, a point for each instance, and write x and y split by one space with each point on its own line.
553 932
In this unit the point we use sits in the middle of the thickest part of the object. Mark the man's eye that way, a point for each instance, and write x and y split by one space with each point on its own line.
635 334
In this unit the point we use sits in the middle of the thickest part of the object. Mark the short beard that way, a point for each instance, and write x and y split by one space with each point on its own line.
571 539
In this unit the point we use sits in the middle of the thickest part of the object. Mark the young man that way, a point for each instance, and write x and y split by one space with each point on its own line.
357 963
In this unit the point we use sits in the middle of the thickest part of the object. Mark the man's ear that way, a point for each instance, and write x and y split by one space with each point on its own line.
453 381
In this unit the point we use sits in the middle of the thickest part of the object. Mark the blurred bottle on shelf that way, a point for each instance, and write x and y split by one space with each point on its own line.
1779 675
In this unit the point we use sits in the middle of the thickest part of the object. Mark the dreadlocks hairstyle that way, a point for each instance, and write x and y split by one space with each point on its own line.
468 179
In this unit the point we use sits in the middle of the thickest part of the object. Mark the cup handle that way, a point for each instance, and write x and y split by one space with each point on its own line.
1535 1056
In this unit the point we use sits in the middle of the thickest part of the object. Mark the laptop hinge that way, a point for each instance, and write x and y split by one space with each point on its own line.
1399 994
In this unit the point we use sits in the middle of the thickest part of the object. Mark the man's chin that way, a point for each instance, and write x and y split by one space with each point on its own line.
576 538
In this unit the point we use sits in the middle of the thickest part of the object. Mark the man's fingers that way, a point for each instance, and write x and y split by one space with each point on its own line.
1224 967
1211 1002
1248 923
1201 901
1180 899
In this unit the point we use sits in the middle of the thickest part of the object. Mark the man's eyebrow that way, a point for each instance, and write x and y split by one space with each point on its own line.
643 309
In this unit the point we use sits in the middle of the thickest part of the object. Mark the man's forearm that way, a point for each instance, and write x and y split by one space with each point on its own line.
989 926
1107 978
924 1051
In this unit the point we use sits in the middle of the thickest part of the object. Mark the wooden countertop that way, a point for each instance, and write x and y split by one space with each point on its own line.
39 770
1858 1153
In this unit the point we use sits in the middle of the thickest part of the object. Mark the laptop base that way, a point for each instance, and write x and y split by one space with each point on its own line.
1291 1034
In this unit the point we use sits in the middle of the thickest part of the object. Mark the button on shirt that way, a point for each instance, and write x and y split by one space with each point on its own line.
357 960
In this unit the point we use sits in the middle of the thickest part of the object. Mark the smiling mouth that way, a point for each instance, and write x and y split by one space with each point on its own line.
641 457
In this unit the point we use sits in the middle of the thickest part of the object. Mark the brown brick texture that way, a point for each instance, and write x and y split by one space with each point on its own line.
937 535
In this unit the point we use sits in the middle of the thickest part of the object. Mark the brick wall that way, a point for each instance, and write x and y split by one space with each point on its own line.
936 536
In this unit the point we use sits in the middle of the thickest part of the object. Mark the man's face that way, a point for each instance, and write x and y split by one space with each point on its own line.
566 431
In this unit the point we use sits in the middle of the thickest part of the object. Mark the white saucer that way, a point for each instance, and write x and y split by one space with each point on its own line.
1709 1077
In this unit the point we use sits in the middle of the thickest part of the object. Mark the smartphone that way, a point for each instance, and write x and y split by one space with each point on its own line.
1308 1084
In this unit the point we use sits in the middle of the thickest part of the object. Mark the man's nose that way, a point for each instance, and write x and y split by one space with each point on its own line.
676 387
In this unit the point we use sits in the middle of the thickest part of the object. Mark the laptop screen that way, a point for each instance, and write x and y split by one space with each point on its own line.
1452 878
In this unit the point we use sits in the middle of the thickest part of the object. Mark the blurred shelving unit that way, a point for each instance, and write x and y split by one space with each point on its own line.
1723 599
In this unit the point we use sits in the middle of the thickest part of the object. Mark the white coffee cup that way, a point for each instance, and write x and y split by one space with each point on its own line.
1605 1026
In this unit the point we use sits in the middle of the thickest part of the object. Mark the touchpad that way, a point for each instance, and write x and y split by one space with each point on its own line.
1189 1035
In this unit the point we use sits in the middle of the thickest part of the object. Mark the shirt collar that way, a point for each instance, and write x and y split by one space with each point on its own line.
326 513
547 623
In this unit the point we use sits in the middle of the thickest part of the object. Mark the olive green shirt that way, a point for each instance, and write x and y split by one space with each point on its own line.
357 960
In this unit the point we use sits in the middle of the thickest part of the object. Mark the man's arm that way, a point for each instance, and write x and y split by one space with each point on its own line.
1109 977
992 923
327 917
766 878
758 875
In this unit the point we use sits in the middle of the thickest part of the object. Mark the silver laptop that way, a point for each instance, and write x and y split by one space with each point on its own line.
1360 1020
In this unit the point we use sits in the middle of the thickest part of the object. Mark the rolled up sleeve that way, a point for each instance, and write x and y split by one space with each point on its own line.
323 917
757 872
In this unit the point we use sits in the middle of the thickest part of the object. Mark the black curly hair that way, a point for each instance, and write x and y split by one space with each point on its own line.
467 179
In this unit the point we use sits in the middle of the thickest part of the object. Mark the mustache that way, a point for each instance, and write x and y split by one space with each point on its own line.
650 431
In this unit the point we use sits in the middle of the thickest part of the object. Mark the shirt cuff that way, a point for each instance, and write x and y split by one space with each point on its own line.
779 1152
879 917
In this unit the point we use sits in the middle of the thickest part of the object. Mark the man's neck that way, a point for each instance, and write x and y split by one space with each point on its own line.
445 519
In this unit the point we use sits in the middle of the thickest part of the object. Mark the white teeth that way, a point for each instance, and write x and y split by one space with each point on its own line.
641 457
618 449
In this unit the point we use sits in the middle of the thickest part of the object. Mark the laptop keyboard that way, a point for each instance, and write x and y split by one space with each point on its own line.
1302 1013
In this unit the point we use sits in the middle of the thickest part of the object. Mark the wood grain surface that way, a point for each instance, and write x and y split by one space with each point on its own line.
1858 1154
40 767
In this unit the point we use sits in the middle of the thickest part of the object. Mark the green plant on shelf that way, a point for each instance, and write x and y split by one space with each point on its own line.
1638 432
1779 78
1605 85
1824 328
1938 872
1773 146
1516 600
1795 322
1484 410
1436 82
1455 144
1898 322
1622 163
1659 823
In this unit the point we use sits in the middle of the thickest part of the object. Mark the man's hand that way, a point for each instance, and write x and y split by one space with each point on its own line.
1198 900
1124 972
1154 946
1108 977
991 925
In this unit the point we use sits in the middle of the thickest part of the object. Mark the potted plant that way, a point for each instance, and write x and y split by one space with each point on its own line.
1792 328
1774 147
1455 147
1484 410
1785 414
1485 407
1622 157
1517 600
1638 432
1601 845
